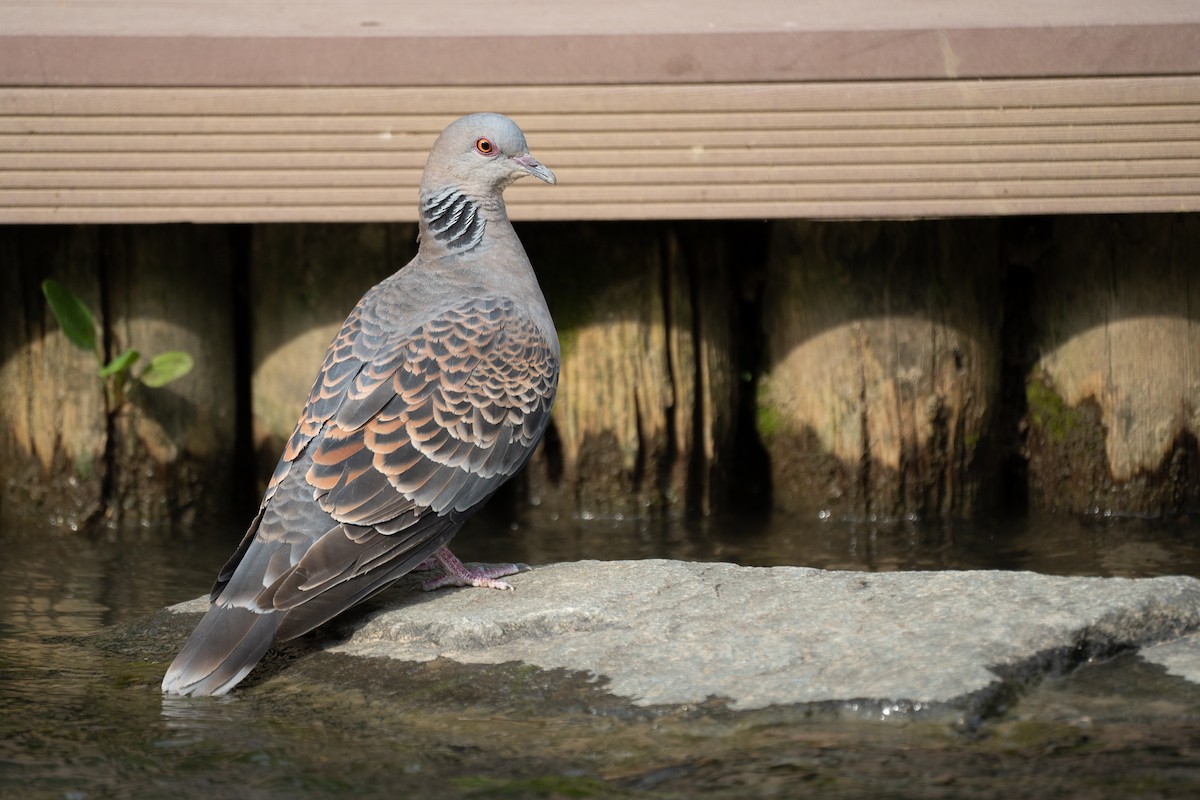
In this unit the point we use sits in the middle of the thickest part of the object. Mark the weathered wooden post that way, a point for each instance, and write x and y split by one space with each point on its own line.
171 287
1114 400
644 410
53 416
79 453
882 346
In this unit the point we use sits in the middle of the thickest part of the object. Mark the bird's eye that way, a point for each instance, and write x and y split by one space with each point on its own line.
486 147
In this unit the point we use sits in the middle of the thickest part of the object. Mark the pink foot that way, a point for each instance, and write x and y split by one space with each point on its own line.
457 573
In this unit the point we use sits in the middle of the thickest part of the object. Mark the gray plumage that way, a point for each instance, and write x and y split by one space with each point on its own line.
432 395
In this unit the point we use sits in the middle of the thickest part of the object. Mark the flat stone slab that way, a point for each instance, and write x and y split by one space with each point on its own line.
670 632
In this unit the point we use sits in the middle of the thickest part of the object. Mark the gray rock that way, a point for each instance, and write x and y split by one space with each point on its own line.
1180 657
667 632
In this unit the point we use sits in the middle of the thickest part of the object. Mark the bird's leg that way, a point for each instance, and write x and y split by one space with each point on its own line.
457 573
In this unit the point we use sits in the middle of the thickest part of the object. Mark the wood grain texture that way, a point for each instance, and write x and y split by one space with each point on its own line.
643 421
1114 399
882 352
862 149
174 449
53 412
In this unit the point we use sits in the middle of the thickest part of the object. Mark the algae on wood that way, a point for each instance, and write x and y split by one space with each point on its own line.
1114 404
882 345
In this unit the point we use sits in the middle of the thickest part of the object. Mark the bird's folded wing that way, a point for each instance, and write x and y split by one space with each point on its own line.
438 419
430 424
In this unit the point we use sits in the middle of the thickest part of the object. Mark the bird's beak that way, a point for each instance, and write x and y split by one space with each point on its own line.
536 168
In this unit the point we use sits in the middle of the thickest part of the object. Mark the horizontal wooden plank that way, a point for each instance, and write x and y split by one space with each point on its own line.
901 149
756 174
556 102
532 42
628 193
685 209
601 142
428 126
640 158
361 19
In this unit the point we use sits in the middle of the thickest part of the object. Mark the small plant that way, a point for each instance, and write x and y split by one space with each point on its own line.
79 326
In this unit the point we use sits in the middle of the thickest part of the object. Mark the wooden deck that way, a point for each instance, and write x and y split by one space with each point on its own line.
144 111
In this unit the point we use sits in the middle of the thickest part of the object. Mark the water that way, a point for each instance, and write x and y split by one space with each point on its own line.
81 716
1099 546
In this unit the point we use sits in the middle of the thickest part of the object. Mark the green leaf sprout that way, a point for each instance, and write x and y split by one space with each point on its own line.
79 326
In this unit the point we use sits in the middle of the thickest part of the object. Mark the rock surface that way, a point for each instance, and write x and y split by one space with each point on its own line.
670 632
1179 656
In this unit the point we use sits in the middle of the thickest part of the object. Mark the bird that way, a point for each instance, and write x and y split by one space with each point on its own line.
435 391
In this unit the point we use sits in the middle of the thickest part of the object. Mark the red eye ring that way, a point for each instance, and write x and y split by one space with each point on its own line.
485 146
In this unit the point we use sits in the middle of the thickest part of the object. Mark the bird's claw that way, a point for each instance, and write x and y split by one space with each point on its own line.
483 576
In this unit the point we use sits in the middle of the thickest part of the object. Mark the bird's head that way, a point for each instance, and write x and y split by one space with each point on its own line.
481 153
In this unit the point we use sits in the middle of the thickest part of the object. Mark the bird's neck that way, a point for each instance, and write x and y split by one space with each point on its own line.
453 221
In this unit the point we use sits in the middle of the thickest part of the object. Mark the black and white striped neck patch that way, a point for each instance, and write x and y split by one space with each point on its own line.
453 219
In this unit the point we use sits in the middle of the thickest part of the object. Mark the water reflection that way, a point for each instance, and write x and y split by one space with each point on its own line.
190 722
1053 545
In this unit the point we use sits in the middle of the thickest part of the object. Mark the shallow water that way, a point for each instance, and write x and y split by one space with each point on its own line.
81 717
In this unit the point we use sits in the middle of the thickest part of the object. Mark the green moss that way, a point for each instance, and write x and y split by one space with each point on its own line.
767 420
1036 735
137 673
85 464
1049 413
567 338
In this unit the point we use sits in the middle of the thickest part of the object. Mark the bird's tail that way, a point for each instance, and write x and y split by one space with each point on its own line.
222 650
